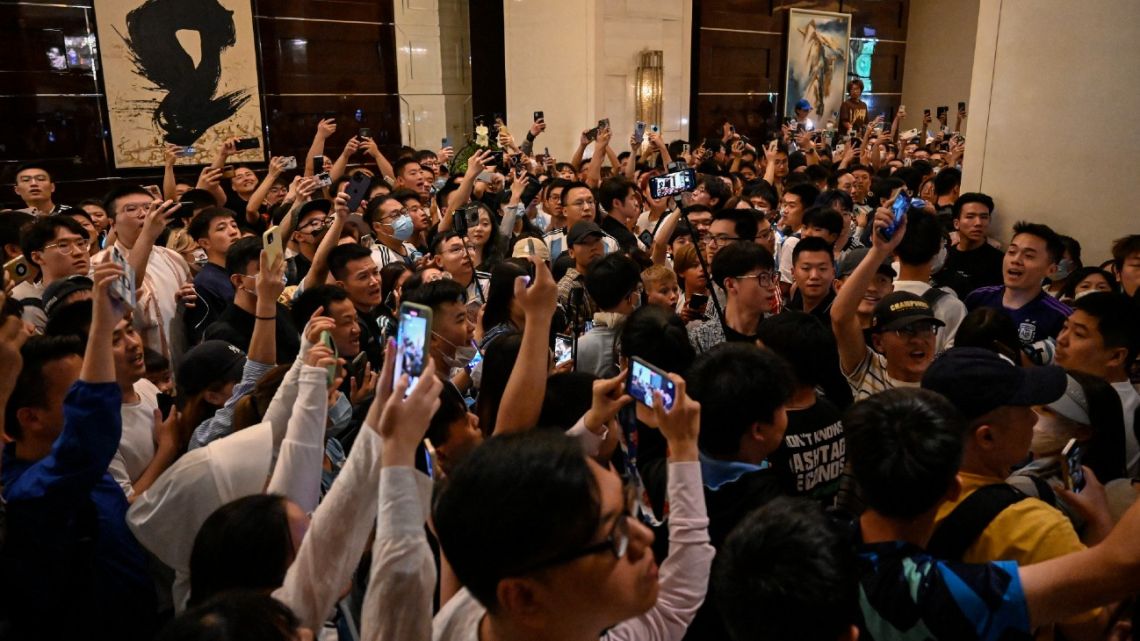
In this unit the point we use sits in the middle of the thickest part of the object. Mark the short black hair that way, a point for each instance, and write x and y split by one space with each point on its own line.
807 193
973 197
155 360
440 238
11 224
727 373
809 348
452 408
990 328
501 292
904 446
569 395
399 165
1053 245
29 390
824 218
517 502
241 253
43 230
743 221
786 571
404 194
614 188
341 255
812 244
659 337
199 226
1124 247
577 184
923 238
122 191
737 259
372 209
829 197
946 180
244 544
715 188
310 300
611 278
1118 320
199 199
245 615
437 293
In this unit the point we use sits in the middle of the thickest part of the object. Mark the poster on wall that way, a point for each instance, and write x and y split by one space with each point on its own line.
182 72
817 61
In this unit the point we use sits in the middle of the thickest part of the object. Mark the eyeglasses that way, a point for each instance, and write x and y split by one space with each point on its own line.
67 247
917 330
764 279
617 542
135 208
316 223
721 239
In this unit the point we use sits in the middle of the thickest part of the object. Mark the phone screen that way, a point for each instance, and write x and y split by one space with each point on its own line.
562 349
898 208
644 380
412 342
673 183
1074 475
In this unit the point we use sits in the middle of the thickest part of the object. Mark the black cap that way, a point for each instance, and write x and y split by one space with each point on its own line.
55 293
978 381
320 204
581 230
852 257
207 363
899 309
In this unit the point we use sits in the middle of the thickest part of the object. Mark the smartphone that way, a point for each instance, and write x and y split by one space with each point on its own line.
368 242
732 129
639 131
327 339
961 106
604 123
645 379
538 116
185 152
271 243
942 111
698 301
673 183
18 270
563 349
290 163
925 113
475 360
357 190
655 129
318 164
412 342
685 148
365 132
123 288
445 142
899 208
323 179
228 171
1071 460
247 143
356 367
592 134
496 159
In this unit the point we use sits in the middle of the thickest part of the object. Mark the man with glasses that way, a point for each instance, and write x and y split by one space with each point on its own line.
449 253
235 325
420 214
904 330
57 246
746 272
392 227
578 205
312 222
564 551
35 187
729 225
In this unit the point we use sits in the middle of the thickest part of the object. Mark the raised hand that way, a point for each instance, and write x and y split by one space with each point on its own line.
209 178
404 421
680 425
540 298
270 281
326 128
477 163
609 396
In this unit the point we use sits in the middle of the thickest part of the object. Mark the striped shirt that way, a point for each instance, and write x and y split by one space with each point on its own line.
384 255
870 376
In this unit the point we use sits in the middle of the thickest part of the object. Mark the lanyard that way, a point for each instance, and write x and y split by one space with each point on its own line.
628 419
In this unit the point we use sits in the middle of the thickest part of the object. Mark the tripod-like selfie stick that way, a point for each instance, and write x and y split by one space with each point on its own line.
679 165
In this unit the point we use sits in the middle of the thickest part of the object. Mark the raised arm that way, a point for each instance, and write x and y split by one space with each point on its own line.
657 141
157 217
475 166
319 271
523 395
325 128
385 167
169 183
210 179
253 208
594 169
341 163
224 151
583 141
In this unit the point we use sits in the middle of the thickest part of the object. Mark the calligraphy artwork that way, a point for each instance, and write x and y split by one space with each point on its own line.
182 72
817 61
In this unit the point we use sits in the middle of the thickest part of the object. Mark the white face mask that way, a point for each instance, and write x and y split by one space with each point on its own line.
464 354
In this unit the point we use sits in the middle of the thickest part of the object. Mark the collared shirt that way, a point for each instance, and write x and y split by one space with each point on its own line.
166 273
822 310
570 281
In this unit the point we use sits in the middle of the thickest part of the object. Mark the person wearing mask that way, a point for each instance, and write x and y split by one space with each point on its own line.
1102 338
1031 258
35 187
392 227
614 285
57 246
918 255
452 332
972 262
313 220
746 273
903 327
236 324
64 511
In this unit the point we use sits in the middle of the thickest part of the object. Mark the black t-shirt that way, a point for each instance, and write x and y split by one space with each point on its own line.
733 336
966 271
235 326
810 459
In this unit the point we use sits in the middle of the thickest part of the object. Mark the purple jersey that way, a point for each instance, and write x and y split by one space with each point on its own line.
1041 318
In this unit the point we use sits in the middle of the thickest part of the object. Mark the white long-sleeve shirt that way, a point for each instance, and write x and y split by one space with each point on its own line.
683 579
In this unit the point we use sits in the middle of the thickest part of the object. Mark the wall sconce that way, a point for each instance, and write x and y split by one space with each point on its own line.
650 87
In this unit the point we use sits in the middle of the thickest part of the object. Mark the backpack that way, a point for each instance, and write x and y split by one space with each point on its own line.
933 295
962 527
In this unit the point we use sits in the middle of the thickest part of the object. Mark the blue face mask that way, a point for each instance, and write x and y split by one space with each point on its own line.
1064 268
403 227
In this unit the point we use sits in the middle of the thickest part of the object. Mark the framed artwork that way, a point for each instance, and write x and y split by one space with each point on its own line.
816 69
178 71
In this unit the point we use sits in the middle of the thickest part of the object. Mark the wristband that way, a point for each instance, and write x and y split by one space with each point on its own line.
267 318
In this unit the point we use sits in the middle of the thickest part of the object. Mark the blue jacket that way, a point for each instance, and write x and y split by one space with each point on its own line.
70 567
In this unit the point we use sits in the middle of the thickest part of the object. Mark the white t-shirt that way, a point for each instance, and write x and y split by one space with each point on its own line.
1129 401
136 447
33 292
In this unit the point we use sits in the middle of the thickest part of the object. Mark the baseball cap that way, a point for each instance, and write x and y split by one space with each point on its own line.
978 381
1074 403
57 292
209 362
899 309
581 230
527 247
803 104
320 204
851 259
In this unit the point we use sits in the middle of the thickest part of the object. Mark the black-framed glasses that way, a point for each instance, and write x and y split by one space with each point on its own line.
917 329
721 239
616 542
765 279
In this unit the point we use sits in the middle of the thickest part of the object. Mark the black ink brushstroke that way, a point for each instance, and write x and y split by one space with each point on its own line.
189 108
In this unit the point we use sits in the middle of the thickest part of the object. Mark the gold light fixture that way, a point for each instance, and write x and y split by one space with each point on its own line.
650 87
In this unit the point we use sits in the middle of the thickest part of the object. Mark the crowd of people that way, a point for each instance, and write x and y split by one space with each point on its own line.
856 410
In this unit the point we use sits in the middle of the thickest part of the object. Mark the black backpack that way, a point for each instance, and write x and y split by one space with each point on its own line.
962 527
